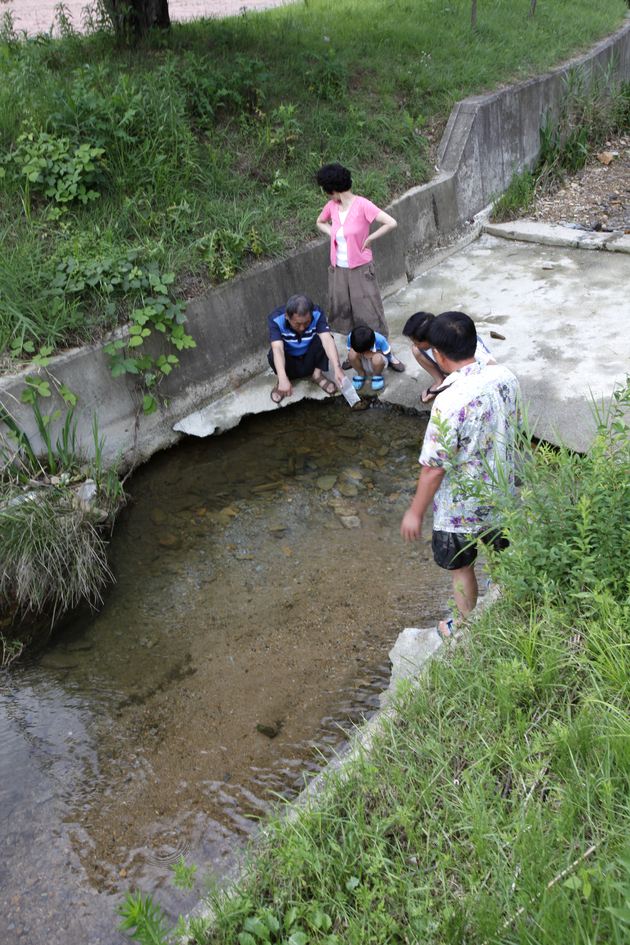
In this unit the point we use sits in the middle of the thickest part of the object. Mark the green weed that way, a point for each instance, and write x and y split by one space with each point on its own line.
592 108
519 198
569 529
219 126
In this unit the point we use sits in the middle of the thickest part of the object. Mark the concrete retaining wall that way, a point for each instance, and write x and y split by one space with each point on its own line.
487 139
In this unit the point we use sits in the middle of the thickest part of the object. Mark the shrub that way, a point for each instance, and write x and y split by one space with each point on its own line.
237 87
61 172
569 530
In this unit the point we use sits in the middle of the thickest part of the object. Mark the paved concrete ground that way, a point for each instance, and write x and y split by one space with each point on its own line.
562 311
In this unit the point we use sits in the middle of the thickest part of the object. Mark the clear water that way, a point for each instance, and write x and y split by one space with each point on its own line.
132 737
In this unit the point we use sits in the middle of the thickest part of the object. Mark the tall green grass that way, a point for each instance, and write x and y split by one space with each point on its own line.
492 808
220 126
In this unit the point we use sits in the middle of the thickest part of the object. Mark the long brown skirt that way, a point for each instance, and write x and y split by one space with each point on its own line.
354 299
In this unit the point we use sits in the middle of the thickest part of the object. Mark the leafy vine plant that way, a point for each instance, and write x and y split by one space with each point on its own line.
143 288
157 312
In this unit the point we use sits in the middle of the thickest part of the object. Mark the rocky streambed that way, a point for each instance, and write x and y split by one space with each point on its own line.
261 582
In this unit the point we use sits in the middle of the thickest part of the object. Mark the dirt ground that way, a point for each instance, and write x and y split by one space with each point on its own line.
36 16
598 196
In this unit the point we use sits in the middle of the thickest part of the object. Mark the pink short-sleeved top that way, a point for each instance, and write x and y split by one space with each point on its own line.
356 227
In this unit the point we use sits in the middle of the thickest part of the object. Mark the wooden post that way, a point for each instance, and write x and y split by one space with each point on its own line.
474 14
532 9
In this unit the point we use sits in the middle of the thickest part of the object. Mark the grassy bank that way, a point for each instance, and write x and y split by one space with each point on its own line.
196 154
55 511
503 769
494 806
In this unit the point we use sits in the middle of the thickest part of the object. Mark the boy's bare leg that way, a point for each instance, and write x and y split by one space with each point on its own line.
465 592
428 365
378 363
355 360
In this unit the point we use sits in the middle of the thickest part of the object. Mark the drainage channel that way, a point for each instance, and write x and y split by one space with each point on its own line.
261 582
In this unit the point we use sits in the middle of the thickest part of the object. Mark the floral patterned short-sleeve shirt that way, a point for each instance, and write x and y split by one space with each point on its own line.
471 430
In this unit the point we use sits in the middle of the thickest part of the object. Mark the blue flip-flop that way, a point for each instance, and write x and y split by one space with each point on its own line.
358 381
450 626
377 382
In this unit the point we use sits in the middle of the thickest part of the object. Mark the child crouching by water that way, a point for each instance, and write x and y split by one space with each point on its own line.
368 353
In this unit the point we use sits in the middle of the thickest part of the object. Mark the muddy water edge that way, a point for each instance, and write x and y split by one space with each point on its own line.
261 582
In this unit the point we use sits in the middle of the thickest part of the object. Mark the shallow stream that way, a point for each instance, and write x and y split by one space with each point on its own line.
261 581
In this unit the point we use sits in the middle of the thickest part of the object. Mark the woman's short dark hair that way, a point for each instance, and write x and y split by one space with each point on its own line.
334 177
298 305
417 327
362 339
454 335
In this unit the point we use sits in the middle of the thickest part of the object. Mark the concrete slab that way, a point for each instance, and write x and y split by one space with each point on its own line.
622 245
251 398
559 234
562 312
408 655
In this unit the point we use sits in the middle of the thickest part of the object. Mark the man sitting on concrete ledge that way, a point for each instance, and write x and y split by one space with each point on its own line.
470 434
301 346
417 330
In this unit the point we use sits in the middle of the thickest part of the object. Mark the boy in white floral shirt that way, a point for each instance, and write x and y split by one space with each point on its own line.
471 430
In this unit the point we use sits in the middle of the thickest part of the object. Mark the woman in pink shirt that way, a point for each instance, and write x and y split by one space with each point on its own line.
354 297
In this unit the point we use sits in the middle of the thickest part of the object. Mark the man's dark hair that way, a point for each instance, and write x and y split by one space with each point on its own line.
298 305
362 339
332 177
417 326
454 335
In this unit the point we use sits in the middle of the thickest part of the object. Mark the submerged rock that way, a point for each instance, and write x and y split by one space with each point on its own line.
269 730
326 482
158 516
348 447
59 660
350 521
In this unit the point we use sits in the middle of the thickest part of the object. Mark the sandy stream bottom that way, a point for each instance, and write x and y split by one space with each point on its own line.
133 737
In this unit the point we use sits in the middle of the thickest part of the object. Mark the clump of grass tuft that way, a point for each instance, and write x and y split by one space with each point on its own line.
518 199
51 555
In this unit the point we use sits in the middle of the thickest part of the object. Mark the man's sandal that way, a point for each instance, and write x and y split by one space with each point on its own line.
328 386
431 392
450 629
278 396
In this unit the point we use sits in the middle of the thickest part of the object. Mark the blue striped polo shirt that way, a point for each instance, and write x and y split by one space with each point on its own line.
280 330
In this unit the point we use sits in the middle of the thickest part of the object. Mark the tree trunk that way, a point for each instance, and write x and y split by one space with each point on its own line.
474 14
134 18
533 8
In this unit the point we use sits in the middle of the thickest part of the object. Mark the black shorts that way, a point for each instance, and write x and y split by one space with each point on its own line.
302 365
453 550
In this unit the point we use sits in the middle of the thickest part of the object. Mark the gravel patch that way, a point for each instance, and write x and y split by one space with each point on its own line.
597 196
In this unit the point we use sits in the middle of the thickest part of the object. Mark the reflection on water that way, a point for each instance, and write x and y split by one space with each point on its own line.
261 582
